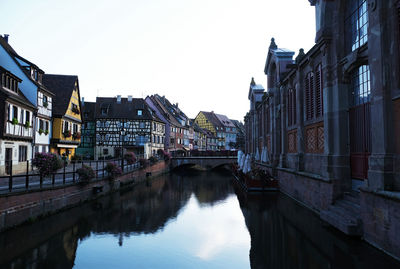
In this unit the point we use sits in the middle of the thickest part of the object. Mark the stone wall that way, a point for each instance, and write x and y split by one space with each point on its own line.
19 208
380 212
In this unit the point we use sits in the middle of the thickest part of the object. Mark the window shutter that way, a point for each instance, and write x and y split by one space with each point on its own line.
294 106
318 92
289 107
312 96
307 95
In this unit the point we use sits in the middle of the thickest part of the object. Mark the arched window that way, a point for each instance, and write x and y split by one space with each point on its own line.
360 83
356 23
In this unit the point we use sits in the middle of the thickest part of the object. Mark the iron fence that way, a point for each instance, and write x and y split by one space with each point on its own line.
31 179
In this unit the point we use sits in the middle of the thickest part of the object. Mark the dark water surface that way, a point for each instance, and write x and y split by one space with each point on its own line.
186 221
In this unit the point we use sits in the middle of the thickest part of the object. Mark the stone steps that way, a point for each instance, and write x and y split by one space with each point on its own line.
344 215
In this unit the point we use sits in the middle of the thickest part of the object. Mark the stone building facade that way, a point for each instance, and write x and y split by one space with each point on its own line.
330 119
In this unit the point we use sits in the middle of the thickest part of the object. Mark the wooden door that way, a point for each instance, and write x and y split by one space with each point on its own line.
360 140
8 160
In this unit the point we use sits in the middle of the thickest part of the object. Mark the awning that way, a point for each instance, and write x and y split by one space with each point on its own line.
67 146
185 148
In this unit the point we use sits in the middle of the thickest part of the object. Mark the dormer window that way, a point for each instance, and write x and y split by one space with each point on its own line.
104 111
9 82
139 112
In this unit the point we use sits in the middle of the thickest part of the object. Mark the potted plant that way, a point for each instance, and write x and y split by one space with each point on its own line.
14 121
46 132
47 163
27 124
40 131
67 133
77 135
75 110
113 170
45 104
143 162
130 157
153 159
86 173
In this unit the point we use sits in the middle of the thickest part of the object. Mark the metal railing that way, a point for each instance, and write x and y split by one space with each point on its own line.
31 179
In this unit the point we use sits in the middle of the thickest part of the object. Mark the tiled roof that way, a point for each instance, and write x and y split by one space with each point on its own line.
124 109
62 86
165 107
212 118
224 120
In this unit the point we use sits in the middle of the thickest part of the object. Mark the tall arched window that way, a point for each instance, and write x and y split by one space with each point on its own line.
356 24
361 89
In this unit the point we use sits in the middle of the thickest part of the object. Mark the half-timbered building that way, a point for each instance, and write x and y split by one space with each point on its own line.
127 124
67 114
16 137
88 138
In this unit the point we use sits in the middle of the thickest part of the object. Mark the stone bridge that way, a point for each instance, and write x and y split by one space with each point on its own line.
209 163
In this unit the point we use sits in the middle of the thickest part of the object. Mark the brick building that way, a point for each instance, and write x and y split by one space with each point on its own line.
330 119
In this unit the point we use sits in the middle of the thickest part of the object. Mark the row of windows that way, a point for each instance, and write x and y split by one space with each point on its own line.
9 83
157 139
21 115
69 126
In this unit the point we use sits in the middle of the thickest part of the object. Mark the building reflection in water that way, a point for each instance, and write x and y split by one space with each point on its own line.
283 234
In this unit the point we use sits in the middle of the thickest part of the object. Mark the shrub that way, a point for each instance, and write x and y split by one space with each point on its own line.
161 152
86 173
47 163
130 157
153 159
143 162
45 104
113 170
167 156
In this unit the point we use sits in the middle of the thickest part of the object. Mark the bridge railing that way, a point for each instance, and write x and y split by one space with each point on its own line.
206 153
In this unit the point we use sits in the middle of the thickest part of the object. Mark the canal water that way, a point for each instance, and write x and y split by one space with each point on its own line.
192 220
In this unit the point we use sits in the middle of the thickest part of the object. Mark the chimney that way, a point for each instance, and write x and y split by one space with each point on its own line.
5 37
83 101
176 104
118 99
130 98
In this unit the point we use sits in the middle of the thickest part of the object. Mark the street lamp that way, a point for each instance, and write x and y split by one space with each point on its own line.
122 133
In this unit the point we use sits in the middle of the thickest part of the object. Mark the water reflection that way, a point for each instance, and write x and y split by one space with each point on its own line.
185 221
285 235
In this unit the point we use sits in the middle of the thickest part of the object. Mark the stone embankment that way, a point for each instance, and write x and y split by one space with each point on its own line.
16 209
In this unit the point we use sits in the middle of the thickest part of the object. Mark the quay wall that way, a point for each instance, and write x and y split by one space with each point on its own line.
16 209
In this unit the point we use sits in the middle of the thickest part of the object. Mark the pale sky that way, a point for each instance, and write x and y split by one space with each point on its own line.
198 53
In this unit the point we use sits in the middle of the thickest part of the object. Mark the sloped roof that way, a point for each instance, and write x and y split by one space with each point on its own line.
164 105
15 55
124 109
212 118
19 96
224 120
62 86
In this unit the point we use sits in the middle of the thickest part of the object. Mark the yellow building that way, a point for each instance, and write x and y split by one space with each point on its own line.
67 115
206 120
